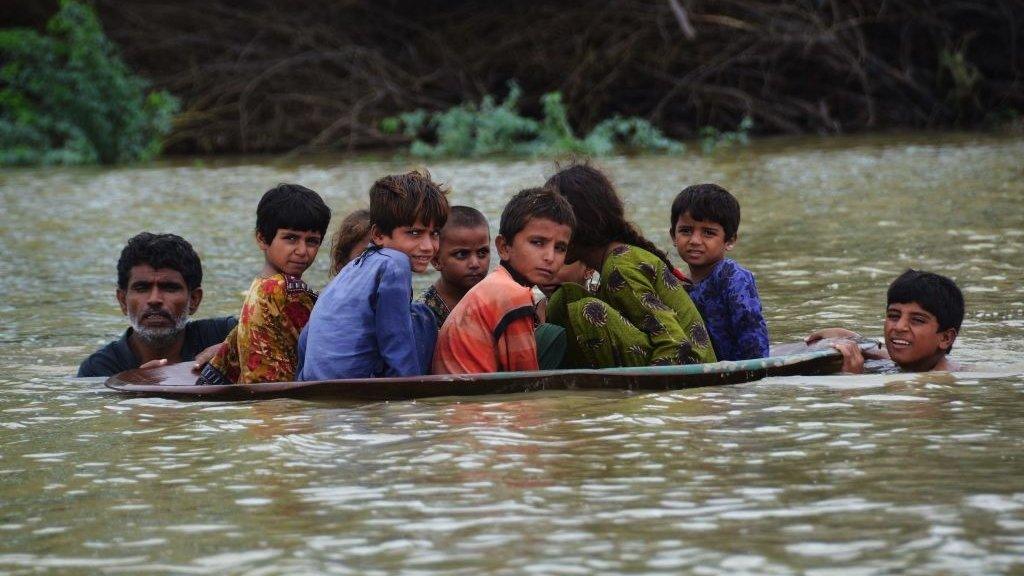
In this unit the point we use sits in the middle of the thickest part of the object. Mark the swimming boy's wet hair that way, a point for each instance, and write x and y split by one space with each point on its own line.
935 293
595 202
293 207
465 217
403 199
160 251
354 228
708 203
534 203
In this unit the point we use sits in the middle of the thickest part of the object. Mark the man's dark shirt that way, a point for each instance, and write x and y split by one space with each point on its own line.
118 356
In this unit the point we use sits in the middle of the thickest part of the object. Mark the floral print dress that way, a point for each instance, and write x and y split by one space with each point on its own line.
262 348
640 316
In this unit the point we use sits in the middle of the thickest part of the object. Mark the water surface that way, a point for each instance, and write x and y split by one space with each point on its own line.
827 475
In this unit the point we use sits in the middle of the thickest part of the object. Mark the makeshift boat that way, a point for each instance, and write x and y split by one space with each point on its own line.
177 380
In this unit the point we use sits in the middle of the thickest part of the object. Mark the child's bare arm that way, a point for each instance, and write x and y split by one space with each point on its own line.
853 359
830 333
847 337
205 356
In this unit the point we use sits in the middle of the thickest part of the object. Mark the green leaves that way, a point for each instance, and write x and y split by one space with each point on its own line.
471 130
712 138
68 98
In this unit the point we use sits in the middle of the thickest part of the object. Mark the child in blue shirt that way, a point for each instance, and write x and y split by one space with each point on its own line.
705 220
365 324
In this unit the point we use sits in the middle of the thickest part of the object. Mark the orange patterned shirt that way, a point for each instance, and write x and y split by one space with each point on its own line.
489 330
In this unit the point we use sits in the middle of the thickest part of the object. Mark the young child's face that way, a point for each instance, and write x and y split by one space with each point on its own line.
418 242
700 243
290 251
576 272
912 336
464 256
538 250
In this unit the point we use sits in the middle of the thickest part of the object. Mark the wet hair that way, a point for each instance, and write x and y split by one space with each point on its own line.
935 293
403 199
160 251
594 201
534 203
354 228
708 203
465 217
291 206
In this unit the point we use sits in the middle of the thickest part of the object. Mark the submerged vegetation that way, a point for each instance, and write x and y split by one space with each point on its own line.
470 130
66 97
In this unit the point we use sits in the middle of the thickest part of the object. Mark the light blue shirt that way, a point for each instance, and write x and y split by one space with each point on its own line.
364 323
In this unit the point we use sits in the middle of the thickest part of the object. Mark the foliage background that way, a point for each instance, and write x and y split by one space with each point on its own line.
314 74
66 97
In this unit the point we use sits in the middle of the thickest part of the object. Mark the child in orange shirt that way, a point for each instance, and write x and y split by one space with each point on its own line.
494 327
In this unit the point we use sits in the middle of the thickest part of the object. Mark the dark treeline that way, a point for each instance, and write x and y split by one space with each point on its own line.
265 75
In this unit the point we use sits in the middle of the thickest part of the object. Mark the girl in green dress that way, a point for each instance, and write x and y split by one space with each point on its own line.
641 314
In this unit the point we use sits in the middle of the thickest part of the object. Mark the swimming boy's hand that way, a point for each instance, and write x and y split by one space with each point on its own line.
830 333
154 364
205 356
853 358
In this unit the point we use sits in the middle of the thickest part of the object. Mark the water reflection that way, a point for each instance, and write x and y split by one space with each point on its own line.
861 474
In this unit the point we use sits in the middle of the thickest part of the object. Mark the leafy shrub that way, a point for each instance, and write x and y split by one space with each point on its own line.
712 138
471 130
67 97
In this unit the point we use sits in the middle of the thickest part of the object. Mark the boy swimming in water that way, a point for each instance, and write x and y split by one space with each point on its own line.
923 315
291 221
463 259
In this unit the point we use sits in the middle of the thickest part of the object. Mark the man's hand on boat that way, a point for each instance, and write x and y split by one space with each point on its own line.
200 360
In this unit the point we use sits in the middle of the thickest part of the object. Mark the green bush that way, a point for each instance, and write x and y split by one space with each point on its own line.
68 98
712 138
471 130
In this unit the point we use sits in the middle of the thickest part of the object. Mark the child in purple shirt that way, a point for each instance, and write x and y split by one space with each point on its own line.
705 220
364 323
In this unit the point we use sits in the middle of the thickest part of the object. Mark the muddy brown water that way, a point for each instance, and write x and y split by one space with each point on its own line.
876 474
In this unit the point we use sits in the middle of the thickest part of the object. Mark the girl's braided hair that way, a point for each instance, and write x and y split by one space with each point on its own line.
598 209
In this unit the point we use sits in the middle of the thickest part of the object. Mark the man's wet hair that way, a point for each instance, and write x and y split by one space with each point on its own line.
707 203
937 294
403 199
293 207
465 217
534 203
160 251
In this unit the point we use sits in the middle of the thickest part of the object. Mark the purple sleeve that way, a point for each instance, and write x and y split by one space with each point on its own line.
745 315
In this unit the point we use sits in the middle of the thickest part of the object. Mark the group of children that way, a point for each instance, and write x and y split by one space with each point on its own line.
642 310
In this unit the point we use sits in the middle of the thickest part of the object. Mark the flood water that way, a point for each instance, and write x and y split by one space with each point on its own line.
917 474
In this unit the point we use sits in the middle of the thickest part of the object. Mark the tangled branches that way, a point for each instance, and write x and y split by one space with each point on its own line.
314 74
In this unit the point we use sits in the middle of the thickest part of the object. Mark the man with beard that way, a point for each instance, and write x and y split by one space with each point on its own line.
159 278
